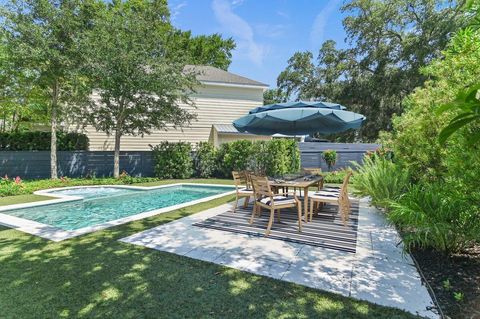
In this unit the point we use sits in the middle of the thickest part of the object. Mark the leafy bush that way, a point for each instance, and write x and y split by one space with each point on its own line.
274 157
40 141
173 160
335 177
234 156
436 216
381 179
330 157
204 160
9 187
16 186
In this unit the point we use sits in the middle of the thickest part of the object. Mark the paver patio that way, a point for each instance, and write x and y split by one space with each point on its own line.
379 271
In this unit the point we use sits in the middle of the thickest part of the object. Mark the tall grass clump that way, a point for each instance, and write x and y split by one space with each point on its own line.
435 216
381 179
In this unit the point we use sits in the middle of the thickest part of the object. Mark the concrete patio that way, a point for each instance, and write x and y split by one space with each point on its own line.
379 271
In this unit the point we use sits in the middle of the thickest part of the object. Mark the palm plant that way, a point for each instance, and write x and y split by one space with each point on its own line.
381 179
433 216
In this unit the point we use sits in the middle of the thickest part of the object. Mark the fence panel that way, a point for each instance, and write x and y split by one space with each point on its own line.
36 164
311 153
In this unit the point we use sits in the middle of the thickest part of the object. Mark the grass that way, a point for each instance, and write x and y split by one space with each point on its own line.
96 276
19 199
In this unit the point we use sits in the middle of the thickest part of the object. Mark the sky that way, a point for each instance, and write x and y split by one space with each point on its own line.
267 32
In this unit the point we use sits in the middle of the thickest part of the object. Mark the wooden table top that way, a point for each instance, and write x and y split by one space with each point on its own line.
301 182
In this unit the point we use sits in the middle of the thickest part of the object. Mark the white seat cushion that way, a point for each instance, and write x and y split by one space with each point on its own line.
328 195
278 200
328 189
245 191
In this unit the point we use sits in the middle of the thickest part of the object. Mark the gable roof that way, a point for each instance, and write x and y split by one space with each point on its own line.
213 75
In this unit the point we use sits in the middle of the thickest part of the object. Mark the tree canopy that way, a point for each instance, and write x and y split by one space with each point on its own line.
390 41
138 85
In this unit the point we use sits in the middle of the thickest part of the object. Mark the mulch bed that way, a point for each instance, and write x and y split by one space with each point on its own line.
463 274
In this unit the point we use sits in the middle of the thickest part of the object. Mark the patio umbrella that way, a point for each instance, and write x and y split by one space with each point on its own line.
299 118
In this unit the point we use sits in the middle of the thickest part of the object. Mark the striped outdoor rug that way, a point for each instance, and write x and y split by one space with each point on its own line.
326 230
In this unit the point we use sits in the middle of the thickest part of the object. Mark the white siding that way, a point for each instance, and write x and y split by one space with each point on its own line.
214 105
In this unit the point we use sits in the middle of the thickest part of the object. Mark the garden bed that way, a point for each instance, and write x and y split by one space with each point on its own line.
458 274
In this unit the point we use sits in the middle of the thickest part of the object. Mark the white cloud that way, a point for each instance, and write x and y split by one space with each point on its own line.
283 14
175 10
271 30
236 3
319 25
242 32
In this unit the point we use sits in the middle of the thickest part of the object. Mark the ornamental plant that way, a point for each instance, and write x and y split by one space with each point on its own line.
204 160
173 160
330 157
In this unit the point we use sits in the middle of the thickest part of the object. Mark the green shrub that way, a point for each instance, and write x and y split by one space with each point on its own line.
234 156
205 160
274 157
330 157
436 216
40 141
10 186
381 179
15 186
173 160
335 177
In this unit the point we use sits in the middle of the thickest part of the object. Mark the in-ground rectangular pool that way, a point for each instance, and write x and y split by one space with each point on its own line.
83 209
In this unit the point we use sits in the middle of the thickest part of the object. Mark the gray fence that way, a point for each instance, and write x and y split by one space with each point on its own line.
36 164
311 153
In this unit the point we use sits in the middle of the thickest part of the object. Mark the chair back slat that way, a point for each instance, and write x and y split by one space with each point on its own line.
239 179
343 199
261 186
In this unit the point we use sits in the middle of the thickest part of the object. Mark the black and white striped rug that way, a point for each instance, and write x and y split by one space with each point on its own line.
326 230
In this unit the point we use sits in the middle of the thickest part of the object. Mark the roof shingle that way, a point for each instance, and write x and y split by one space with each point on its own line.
212 74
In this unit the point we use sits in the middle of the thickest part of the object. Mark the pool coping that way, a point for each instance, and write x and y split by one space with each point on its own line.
57 234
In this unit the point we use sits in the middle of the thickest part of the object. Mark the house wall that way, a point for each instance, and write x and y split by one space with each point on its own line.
214 105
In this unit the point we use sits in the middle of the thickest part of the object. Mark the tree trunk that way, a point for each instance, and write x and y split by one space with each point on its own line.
53 140
116 157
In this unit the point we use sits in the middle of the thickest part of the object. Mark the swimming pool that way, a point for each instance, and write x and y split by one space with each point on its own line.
79 210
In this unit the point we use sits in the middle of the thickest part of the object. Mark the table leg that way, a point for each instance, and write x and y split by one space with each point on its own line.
305 203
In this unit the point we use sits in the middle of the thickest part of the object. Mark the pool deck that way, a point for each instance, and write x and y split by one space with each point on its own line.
57 234
378 272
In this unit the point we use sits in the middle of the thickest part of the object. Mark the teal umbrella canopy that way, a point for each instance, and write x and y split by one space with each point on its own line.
299 118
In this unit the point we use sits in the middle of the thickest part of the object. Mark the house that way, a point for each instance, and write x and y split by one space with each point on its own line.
224 133
222 98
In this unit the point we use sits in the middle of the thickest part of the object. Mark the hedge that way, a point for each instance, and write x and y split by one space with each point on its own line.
173 160
275 157
40 141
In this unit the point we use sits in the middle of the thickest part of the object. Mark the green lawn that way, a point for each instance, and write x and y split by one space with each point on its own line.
97 276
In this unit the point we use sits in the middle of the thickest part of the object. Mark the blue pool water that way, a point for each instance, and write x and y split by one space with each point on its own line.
103 204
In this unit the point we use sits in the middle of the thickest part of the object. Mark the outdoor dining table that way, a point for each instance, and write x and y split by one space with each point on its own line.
304 182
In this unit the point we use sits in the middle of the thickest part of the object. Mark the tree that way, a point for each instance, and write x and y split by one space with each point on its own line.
210 50
42 36
139 85
272 96
391 40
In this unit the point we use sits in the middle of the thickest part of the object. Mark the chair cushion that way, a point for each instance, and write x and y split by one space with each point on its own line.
278 200
246 190
326 194
330 189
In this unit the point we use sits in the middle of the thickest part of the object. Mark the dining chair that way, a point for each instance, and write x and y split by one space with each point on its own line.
265 198
243 188
340 198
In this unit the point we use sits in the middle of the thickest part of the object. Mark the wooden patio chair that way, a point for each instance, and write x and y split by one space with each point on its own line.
265 198
340 198
243 188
